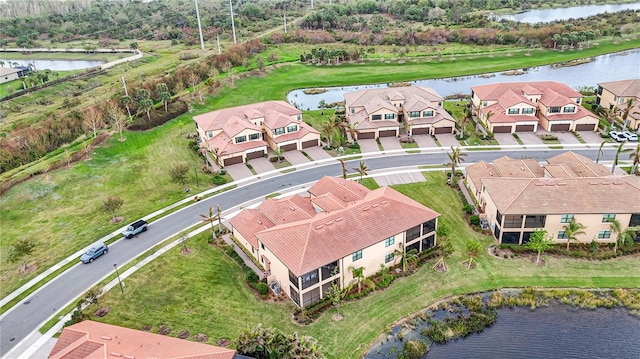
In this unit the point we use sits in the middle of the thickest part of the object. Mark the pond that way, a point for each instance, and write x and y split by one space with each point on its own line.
601 69
56 65
574 12
556 331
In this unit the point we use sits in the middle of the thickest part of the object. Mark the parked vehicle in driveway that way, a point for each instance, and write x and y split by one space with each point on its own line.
630 136
618 136
94 252
135 228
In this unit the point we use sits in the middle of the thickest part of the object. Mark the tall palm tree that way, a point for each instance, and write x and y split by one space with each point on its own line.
572 230
616 229
635 158
466 116
626 111
360 279
344 168
163 94
600 151
618 152
327 131
406 257
211 218
362 170
455 157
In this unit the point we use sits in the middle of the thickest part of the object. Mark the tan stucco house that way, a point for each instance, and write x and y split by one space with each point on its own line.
518 196
381 112
308 242
8 74
237 134
616 94
525 106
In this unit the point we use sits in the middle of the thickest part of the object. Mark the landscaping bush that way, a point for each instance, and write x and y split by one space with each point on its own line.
262 288
159 116
251 277
219 180
354 145
549 137
474 220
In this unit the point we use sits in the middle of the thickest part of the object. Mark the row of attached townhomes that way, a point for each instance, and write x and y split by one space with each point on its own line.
526 106
307 243
95 340
380 112
237 134
517 196
617 94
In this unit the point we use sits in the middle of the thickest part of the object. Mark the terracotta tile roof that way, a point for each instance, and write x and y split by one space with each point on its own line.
216 119
479 170
492 92
226 146
234 125
360 98
552 98
345 190
564 195
624 88
89 340
510 98
5 71
328 202
559 171
523 168
287 210
499 115
306 245
377 103
431 120
579 165
249 222
303 130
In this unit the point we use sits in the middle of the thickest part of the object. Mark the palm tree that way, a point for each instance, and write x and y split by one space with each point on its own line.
635 158
327 131
211 218
572 230
618 152
406 257
616 229
600 151
455 157
348 126
163 94
362 170
466 116
126 102
445 249
216 157
344 168
143 98
626 111
360 279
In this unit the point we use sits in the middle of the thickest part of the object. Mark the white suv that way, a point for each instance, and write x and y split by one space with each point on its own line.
630 136
618 136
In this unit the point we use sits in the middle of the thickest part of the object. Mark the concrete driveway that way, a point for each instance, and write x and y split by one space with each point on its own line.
369 145
529 138
317 153
238 171
506 139
295 157
425 141
399 178
566 137
591 137
262 165
390 143
447 140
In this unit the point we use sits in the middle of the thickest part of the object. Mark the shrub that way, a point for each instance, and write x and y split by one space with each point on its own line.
594 246
474 220
262 288
354 145
251 277
219 180
158 116
468 209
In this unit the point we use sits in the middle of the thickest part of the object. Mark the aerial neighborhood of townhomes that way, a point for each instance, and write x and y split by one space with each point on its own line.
319 179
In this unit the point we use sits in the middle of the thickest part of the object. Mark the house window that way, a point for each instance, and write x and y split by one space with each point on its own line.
292 128
209 134
428 242
278 131
634 220
566 218
499 218
621 100
353 110
241 139
511 237
562 235
527 111
569 109
299 117
554 109
309 279
439 104
389 116
514 111
427 113
357 255
389 257
578 100
254 136
484 103
535 221
376 117
413 114
512 221
293 279
389 241
429 226
310 297
413 233
262 246
608 217
604 234
329 270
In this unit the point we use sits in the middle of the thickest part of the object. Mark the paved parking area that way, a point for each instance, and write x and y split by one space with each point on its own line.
565 137
317 153
369 145
261 165
295 157
399 178
390 143
506 139
529 138
448 140
591 137
238 171
425 141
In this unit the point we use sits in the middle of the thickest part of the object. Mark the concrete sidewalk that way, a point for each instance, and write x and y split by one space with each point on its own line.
227 239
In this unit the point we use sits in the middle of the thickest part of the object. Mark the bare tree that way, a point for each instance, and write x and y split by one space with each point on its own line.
112 204
116 118
93 120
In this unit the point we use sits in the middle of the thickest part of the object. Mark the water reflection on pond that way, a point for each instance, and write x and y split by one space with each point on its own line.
574 12
56 65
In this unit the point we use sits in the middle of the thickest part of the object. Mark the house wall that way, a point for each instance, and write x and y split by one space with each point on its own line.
246 133
607 99
245 242
585 120
9 77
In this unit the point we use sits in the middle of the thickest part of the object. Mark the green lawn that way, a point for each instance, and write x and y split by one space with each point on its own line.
205 292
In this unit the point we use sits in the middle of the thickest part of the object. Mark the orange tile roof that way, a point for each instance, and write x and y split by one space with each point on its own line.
345 190
328 202
216 119
303 130
494 91
524 168
579 165
287 210
624 88
306 245
249 222
89 340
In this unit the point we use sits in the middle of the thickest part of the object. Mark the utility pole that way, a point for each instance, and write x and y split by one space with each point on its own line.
285 22
199 26
118 275
124 85
218 38
233 25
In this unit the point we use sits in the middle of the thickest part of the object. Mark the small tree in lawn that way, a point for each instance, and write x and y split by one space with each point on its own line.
473 247
184 237
455 158
112 204
359 278
210 218
221 228
21 249
445 248
572 230
336 295
178 173
406 257
362 170
539 241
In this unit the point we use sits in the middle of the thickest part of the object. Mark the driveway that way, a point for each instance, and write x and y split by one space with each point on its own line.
425 141
399 178
528 138
591 137
295 157
390 143
447 140
565 137
317 153
369 145
262 165
506 139
238 171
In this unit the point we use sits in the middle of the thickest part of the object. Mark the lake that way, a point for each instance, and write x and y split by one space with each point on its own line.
574 12
587 74
57 65
557 331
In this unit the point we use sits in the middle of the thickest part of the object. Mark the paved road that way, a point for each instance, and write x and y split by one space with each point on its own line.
40 306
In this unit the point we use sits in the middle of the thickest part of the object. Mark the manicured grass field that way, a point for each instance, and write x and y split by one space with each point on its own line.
204 292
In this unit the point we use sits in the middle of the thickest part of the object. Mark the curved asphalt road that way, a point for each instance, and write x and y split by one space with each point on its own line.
34 311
